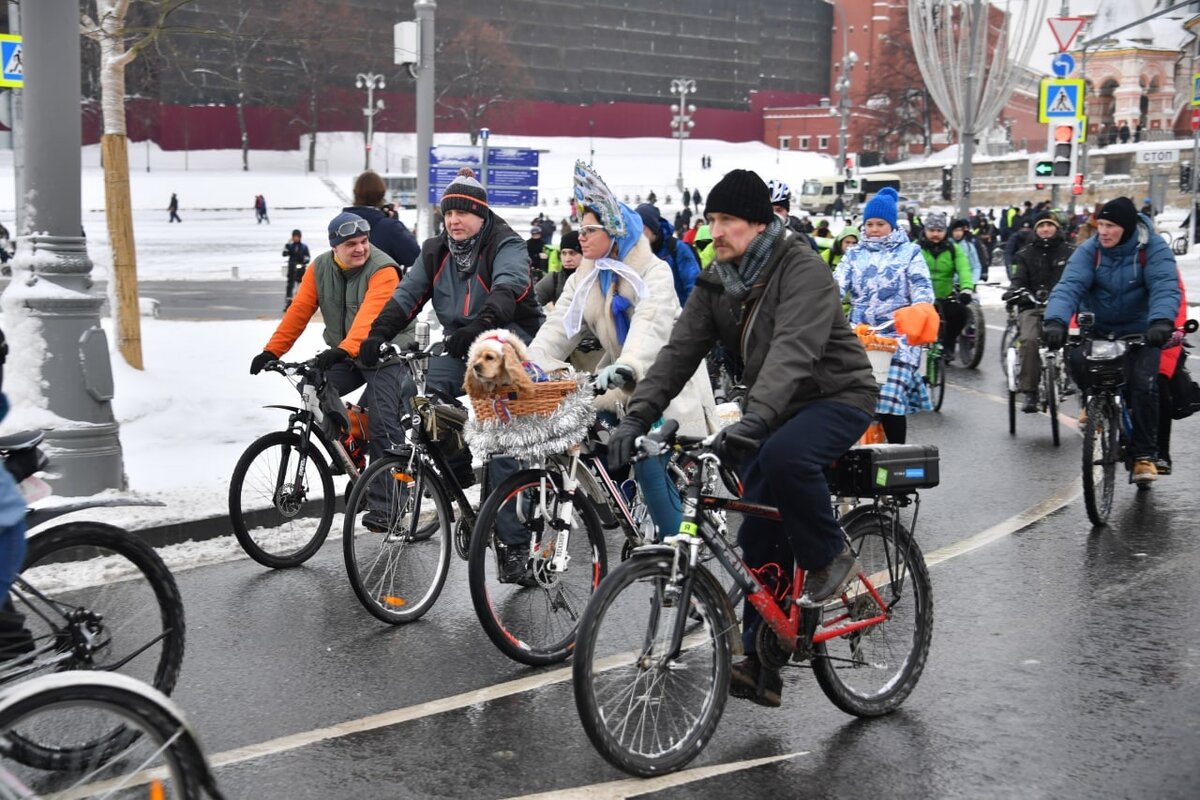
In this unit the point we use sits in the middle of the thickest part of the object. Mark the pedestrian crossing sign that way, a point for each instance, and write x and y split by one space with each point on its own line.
12 68
1060 99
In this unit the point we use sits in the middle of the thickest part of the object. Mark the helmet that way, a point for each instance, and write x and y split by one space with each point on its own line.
780 192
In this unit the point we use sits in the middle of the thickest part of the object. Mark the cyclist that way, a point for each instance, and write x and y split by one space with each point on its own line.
1037 267
348 284
947 263
476 273
1125 275
15 638
810 393
881 275
781 204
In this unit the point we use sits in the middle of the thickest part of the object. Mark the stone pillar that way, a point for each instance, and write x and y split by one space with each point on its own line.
51 317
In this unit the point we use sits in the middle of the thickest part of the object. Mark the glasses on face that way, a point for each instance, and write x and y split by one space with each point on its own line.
350 227
588 230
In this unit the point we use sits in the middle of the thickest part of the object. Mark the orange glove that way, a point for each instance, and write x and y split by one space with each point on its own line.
918 322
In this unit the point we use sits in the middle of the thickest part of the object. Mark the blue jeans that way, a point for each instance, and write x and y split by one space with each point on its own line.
12 555
788 472
658 490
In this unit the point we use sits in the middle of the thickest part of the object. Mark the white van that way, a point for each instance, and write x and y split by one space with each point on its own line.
817 194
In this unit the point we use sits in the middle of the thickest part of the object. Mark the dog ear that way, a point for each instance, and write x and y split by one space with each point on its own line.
471 384
517 378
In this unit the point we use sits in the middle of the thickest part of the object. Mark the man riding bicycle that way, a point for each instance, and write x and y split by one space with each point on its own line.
1037 268
946 261
1127 276
810 394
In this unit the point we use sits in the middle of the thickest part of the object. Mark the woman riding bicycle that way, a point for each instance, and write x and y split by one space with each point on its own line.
625 296
770 299
1127 277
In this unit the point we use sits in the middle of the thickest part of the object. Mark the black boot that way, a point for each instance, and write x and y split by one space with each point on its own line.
821 584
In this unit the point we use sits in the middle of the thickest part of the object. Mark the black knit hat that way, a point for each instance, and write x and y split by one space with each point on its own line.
1047 216
741 193
570 241
466 194
1120 211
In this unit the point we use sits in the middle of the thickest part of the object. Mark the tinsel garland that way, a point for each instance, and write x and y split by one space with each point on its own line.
535 436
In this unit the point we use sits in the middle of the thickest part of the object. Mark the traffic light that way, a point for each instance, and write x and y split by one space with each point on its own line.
1062 150
1185 177
947 183
1077 186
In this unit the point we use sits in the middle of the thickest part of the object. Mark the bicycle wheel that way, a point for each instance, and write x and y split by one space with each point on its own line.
533 620
1012 413
95 597
1050 388
1101 445
647 711
73 707
1006 340
935 377
281 505
397 538
971 340
870 672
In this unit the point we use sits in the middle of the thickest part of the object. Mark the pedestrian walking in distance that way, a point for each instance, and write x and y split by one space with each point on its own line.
173 207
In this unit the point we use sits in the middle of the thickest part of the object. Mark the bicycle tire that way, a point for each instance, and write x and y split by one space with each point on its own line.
888 553
935 376
553 606
1006 341
620 666
973 337
1050 386
1100 453
159 737
105 614
291 537
1012 413
398 575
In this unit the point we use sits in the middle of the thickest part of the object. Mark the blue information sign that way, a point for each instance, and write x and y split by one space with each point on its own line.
512 197
1063 65
456 155
516 178
512 157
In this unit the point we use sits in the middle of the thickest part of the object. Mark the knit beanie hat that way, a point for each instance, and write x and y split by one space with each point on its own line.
882 206
1120 211
570 241
1047 216
346 226
935 220
650 216
741 193
466 194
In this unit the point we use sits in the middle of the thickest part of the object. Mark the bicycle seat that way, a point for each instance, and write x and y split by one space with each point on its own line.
21 440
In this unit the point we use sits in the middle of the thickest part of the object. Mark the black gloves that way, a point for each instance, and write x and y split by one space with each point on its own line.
620 442
589 344
368 351
330 357
1010 294
261 360
966 298
727 446
460 341
1159 332
1054 334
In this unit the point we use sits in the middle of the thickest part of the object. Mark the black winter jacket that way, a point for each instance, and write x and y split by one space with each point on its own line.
1039 265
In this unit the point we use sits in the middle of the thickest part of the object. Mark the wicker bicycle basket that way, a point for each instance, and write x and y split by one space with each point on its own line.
542 401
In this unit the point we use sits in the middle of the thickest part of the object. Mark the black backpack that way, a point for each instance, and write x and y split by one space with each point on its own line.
1185 392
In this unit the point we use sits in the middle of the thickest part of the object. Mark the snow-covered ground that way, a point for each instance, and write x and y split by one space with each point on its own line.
187 418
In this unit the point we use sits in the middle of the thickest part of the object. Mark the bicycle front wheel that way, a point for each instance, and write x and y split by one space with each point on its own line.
1050 387
648 710
397 538
1101 446
74 708
970 341
935 377
281 500
530 610
95 597
1006 340
870 672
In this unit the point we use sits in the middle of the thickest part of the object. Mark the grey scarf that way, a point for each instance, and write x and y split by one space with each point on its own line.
464 251
738 280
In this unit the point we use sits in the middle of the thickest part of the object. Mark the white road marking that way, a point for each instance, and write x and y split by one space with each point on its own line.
634 787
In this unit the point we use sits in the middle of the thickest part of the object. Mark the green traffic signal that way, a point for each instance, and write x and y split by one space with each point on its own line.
1043 168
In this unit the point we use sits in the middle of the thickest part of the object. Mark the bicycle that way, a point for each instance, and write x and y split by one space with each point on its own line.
1108 426
92 596
163 754
935 373
281 494
650 697
1054 383
400 524
971 341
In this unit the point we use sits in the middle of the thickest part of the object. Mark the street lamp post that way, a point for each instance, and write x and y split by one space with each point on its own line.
842 86
370 81
681 119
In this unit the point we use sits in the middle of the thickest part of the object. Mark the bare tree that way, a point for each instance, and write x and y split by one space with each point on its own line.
105 23
478 70
899 98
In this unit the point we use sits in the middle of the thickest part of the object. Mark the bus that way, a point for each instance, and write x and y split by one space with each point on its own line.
402 189
817 194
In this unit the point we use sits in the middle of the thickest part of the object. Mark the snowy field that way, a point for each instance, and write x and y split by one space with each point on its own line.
187 418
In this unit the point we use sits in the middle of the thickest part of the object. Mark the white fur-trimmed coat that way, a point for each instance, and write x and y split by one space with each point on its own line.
649 329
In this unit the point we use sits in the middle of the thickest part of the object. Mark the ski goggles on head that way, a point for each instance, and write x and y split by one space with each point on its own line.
352 227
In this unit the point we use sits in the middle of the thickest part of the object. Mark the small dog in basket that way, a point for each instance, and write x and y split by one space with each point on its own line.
498 362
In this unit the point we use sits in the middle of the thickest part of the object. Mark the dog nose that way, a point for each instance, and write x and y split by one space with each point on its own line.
478 368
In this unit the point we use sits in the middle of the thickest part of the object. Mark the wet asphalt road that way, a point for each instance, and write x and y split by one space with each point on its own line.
1065 661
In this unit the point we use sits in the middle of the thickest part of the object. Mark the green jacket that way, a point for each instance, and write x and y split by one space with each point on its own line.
946 260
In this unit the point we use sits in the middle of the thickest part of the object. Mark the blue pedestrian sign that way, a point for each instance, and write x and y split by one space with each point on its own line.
1063 65
12 66
1060 99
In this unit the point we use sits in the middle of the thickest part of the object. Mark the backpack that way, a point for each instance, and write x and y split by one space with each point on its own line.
1185 392
673 244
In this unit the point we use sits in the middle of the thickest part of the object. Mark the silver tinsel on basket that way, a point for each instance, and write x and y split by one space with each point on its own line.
536 436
